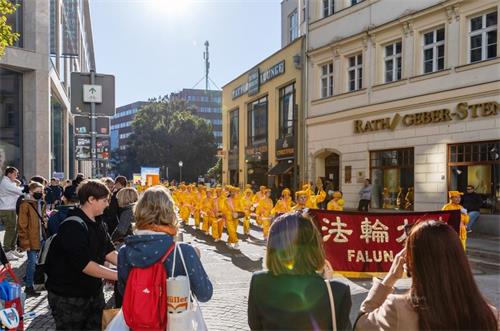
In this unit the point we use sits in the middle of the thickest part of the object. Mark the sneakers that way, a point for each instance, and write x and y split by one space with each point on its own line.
10 256
236 246
30 292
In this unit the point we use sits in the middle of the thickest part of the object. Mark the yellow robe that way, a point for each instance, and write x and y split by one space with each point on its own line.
263 211
231 209
246 204
464 220
282 206
207 213
335 205
314 199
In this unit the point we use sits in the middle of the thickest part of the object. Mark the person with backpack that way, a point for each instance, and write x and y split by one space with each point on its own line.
75 262
127 197
10 190
31 231
112 213
153 247
69 202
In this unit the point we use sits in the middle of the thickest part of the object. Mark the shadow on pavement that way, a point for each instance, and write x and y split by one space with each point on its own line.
238 259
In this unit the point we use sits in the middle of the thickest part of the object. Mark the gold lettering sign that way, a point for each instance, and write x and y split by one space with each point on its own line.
462 112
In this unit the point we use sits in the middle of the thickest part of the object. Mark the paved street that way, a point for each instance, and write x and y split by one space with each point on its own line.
230 272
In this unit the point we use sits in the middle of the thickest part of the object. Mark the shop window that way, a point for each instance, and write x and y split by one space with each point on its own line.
392 62
257 122
10 118
392 178
433 50
286 114
476 164
483 37
327 80
355 72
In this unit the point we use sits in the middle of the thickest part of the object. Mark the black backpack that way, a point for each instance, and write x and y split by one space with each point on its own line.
18 203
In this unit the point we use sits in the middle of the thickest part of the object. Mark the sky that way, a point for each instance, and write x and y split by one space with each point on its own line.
155 47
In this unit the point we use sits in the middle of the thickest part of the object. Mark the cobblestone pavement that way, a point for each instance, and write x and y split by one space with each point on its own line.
230 271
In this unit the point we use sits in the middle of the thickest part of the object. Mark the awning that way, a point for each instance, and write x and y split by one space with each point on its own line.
281 168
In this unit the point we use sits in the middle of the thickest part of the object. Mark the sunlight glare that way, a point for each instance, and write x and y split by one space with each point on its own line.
171 8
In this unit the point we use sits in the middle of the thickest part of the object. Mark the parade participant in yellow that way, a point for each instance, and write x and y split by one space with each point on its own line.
337 203
263 211
454 204
233 211
259 195
246 203
197 198
184 204
314 199
300 200
207 211
284 204
219 207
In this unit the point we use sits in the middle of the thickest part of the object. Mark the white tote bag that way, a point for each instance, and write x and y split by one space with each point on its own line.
184 312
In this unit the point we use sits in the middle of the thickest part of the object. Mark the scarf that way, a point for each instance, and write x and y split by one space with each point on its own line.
168 229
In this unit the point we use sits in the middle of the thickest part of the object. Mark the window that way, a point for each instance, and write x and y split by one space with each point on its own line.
355 72
287 104
328 7
327 80
293 25
355 2
476 164
234 128
433 50
257 122
483 37
16 22
392 177
11 94
392 61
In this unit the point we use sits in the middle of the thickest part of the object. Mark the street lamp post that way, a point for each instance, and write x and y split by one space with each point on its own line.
180 171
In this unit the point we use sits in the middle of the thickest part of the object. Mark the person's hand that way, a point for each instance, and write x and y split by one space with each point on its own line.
7 266
397 269
463 210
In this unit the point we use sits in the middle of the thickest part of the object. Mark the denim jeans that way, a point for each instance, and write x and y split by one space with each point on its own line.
30 268
473 217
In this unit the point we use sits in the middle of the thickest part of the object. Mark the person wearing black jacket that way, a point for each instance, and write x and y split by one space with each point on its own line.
292 294
112 213
472 202
75 263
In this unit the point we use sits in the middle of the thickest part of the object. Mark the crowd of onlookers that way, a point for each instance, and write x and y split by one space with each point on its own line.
105 230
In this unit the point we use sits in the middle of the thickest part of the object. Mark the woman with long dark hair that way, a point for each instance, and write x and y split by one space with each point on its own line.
443 294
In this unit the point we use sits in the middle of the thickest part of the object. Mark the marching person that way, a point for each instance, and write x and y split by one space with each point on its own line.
365 195
300 200
443 293
313 200
284 204
291 294
31 231
207 211
247 204
264 212
454 204
337 203
219 220
232 212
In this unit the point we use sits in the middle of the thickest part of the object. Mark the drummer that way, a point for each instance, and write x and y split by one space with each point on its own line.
264 209
284 204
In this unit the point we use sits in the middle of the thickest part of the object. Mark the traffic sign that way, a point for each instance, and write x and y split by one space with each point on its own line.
83 150
82 91
92 93
83 126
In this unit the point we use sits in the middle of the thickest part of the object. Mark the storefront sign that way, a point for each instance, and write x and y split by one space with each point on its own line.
365 244
256 79
285 148
256 153
463 111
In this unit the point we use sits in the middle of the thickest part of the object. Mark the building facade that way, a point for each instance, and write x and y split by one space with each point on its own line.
406 96
36 126
261 111
121 124
208 104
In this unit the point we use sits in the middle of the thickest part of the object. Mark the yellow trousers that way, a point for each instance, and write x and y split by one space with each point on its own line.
463 234
197 218
217 228
246 224
231 227
207 222
184 214
266 224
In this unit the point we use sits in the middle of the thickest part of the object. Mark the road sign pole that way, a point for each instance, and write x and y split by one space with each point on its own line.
93 150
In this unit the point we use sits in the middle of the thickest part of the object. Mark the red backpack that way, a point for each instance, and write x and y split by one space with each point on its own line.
145 300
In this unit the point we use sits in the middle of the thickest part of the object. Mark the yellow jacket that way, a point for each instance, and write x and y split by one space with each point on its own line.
232 206
246 204
265 207
464 218
335 205
207 207
314 199
282 206
258 196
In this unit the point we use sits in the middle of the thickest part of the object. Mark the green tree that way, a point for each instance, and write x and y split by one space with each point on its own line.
216 171
7 36
167 131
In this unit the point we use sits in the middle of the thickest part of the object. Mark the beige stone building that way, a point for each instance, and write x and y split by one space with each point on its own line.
407 95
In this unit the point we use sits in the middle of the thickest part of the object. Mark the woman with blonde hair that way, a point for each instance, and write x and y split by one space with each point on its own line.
292 294
156 227
127 197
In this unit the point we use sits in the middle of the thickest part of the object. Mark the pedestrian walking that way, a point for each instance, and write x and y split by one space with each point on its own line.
472 201
10 191
156 227
365 195
443 294
291 294
31 231
75 262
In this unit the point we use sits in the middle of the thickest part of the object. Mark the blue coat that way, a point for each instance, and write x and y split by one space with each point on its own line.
146 249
